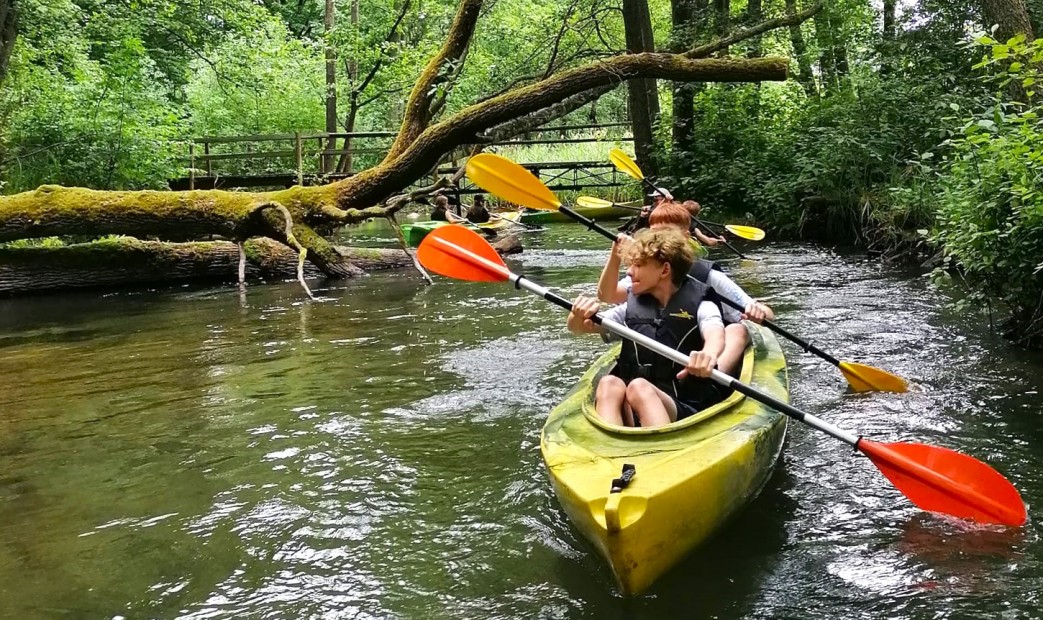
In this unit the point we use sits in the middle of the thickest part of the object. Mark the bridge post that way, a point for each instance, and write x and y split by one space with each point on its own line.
299 156
191 165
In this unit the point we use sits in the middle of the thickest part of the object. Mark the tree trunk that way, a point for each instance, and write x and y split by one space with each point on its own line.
722 11
129 261
331 85
685 16
418 114
800 51
827 62
8 33
754 14
889 20
1010 16
643 94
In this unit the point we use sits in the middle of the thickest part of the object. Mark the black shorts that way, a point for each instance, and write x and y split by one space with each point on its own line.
687 408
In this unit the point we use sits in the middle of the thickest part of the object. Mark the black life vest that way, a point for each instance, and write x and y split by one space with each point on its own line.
701 269
675 326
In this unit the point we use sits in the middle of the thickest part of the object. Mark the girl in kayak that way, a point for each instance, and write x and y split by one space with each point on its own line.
646 389
674 216
694 208
440 209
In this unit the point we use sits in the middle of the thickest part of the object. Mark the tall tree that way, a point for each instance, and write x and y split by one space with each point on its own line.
8 33
754 15
827 60
643 94
331 83
683 18
1010 17
800 50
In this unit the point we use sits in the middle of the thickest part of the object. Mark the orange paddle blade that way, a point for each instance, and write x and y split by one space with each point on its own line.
457 252
942 480
511 182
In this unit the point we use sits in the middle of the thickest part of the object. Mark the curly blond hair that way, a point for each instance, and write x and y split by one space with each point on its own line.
663 245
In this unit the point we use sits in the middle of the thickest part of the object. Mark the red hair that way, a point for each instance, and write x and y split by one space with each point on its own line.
671 214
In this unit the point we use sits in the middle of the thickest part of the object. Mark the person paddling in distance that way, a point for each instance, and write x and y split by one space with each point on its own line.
478 213
694 208
659 197
674 216
646 389
441 208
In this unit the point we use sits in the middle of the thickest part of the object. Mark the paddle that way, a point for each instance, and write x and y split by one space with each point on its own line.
628 166
933 478
515 222
746 232
501 176
487 230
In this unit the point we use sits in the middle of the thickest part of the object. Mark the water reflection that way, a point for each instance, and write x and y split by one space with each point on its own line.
202 453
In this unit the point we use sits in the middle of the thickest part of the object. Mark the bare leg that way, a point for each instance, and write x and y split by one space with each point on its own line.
650 404
735 340
609 399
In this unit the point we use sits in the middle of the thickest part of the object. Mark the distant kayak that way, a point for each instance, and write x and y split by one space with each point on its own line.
595 213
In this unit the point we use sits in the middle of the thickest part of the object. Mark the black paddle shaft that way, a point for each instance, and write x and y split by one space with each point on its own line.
804 344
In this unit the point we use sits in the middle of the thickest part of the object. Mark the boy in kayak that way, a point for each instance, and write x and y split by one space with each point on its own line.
736 338
663 303
478 213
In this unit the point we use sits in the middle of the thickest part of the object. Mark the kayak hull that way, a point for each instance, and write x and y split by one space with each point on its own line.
414 232
690 477
597 214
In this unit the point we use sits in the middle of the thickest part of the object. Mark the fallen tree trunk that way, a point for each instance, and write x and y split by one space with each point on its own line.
133 262
128 261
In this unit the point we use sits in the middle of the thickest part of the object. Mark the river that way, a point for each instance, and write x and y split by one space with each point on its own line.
205 453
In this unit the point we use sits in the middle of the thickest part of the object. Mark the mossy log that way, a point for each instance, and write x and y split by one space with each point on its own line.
128 261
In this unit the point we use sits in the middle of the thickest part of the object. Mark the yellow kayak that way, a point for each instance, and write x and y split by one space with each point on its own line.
688 479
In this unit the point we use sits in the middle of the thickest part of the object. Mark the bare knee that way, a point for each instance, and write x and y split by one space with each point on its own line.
736 334
609 385
639 389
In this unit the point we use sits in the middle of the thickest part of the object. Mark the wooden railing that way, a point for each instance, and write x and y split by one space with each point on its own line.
307 159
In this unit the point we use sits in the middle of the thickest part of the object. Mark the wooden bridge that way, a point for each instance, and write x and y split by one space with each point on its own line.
284 160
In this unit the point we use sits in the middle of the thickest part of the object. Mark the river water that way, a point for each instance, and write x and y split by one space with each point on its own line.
202 453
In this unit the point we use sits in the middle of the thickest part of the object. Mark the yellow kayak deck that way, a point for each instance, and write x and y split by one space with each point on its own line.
690 476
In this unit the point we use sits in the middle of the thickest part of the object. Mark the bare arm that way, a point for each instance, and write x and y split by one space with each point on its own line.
701 363
609 290
579 321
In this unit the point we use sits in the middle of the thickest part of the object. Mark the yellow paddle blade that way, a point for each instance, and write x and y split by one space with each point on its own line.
592 203
506 179
625 164
746 232
867 378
